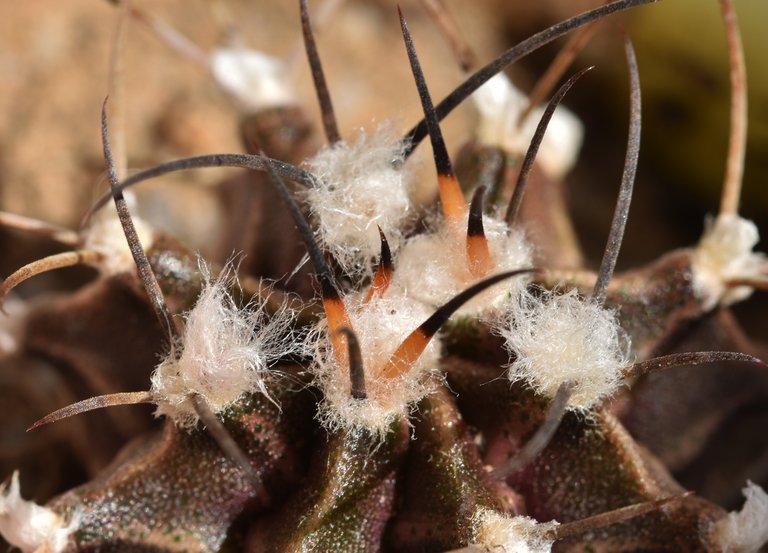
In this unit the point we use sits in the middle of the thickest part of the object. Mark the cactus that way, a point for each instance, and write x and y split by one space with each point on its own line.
436 382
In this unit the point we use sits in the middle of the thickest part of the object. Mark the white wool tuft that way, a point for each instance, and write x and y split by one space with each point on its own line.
105 235
496 532
725 253
499 105
226 352
745 531
255 80
433 268
31 527
380 327
358 188
561 338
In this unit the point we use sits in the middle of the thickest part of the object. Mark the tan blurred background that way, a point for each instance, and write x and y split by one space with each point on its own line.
53 76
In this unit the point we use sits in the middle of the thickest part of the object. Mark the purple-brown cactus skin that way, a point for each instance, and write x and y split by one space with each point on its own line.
159 492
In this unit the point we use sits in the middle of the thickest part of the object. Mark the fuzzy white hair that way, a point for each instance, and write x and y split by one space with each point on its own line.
433 268
32 527
496 532
745 531
380 327
560 338
725 253
361 185
253 79
499 105
226 352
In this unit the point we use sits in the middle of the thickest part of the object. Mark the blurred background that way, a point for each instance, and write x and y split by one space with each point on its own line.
54 63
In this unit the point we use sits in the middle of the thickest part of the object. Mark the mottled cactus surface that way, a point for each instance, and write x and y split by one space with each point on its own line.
374 374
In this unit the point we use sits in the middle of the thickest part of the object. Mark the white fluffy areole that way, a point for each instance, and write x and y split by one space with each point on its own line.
32 527
226 352
105 235
499 105
745 531
725 253
432 268
556 339
496 532
255 80
380 327
359 188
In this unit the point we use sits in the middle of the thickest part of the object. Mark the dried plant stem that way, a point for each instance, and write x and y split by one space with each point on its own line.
737 147
117 91
50 263
171 37
445 22
40 228
557 68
